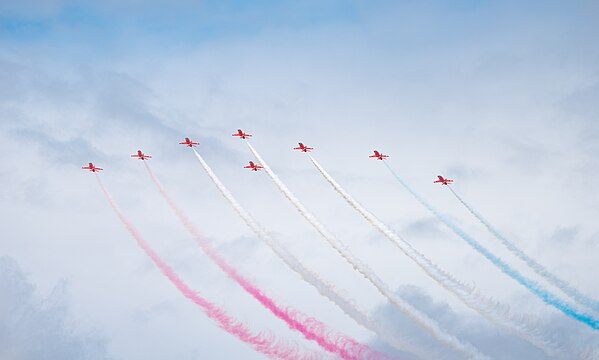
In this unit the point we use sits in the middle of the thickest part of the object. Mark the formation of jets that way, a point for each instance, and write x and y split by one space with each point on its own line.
252 166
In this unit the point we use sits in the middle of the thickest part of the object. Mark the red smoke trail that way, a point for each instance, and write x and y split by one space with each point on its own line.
311 328
347 305
263 343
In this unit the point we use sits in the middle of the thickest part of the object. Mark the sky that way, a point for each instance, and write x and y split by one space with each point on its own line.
501 96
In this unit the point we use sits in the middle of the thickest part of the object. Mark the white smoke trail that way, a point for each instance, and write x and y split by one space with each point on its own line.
533 264
549 298
326 289
422 319
265 343
493 311
589 353
311 328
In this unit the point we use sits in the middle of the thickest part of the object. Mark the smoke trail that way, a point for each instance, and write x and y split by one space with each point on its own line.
311 328
263 343
531 285
538 268
324 288
496 313
424 321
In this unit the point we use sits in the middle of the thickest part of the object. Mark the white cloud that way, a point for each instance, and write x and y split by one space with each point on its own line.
504 104
34 327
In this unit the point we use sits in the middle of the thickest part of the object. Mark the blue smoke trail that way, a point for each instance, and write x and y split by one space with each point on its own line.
532 263
493 311
531 285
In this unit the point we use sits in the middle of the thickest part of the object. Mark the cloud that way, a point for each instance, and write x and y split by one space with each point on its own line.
488 92
564 236
428 228
576 341
34 328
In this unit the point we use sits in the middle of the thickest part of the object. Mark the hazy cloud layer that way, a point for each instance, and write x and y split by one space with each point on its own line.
37 327
577 343
500 96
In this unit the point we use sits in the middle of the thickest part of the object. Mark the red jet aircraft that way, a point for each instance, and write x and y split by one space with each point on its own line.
92 168
141 156
241 134
189 143
303 148
253 166
378 155
443 181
